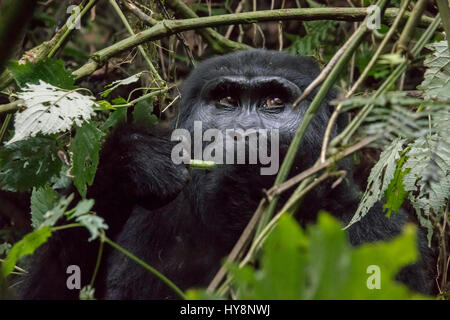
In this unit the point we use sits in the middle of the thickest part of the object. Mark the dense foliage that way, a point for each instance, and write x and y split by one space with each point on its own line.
61 95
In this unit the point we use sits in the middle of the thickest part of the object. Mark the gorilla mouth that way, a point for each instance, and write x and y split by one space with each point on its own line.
234 146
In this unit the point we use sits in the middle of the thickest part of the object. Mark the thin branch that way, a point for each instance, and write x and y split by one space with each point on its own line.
11 107
158 274
408 30
179 36
158 80
215 40
138 13
277 190
45 49
348 132
310 113
444 10
324 73
361 78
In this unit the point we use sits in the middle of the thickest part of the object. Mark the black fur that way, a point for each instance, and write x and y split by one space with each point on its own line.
183 223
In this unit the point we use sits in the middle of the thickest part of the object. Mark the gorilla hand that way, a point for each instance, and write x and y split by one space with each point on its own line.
136 165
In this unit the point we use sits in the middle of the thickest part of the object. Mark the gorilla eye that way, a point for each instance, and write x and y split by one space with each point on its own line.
274 102
228 101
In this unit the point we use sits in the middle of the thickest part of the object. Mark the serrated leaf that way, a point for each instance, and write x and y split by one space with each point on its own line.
84 150
54 214
379 179
29 163
49 70
93 223
116 118
428 181
62 181
436 83
87 293
50 110
24 247
42 200
142 113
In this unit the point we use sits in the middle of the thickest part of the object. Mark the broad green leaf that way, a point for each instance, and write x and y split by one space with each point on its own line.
84 150
42 200
282 272
320 264
142 113
115 118
329 259
49 70
24 247
119 101
28 163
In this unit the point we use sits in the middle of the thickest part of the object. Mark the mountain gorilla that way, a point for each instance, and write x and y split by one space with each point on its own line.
184 222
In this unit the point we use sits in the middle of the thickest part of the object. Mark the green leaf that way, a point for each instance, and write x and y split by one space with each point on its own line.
142 113
28 163
82 207
24 247
116 118
118 101
380 177
50 70
42 200
395 194
93 223
321 264
55 213
85 149
62 181
87 293
105 105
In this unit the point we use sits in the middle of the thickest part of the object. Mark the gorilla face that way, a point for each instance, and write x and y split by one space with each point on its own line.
253 90
240 102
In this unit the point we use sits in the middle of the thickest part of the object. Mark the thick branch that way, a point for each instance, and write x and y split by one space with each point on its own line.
169 27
